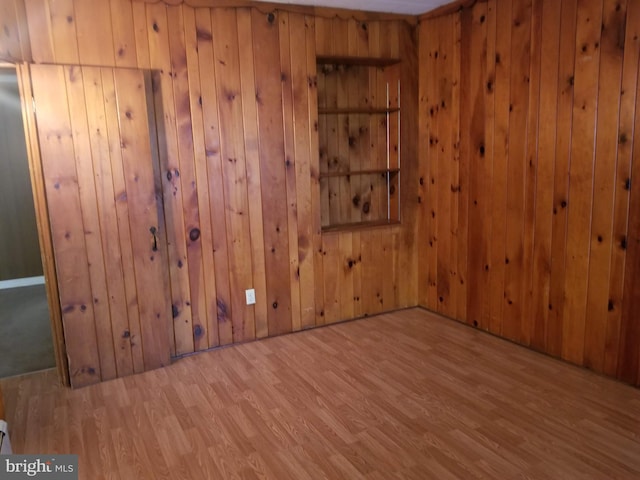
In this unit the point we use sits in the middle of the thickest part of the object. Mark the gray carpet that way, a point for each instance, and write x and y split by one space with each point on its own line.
26 344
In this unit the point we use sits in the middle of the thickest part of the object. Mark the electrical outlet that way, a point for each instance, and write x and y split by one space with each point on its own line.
251 296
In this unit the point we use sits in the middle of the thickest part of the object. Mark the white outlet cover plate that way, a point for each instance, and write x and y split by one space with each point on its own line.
251 296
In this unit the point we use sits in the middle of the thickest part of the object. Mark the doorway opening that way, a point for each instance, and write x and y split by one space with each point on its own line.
26 342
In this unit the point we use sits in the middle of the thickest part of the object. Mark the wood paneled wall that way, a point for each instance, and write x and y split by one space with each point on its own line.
529 119
375 268
19 249
529 153
236 102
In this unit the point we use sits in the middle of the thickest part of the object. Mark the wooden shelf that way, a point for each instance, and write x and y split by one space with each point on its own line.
349 179
363 61
359 172
365 111
346 227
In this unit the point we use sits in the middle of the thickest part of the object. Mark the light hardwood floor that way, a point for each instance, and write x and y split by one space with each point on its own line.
402 395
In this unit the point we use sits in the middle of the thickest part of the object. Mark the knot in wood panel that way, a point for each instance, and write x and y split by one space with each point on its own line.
198 331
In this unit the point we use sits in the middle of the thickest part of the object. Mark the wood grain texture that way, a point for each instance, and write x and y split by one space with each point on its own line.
235 108
226 57
266 49
606 149
93 233
142 185
443 401
220 332
628 124
119 193
15 37
367 263
549 190
581 195
64 209
538 220
542 254
43 223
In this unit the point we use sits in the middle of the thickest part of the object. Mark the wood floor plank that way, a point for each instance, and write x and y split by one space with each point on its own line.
404 395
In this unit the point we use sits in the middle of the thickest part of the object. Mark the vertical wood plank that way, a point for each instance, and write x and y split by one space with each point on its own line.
10 48
290 166
479 165
606 149
254 186
124 40
318 267
43 223
195 300
531 166
444 160
112 120
514 254
431 173
390 182
141 36
353 123
63 31
488 158
226 56
331 265
378 47
407 269
63 199
629 356
159 53
15 31
424 125
345 275
464 166
541 278
358 45
40 30
207 309
94 33
220 330
301 84
628 97
90 219
150 266
500 162
580 201
371 285
561 185
270 121
115 295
